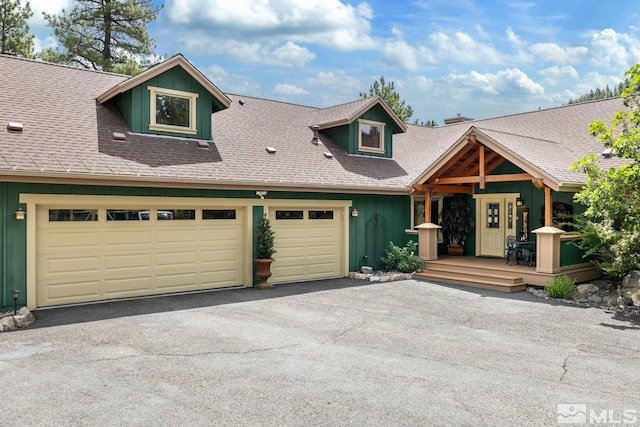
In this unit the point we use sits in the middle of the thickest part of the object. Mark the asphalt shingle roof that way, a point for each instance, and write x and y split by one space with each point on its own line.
67 133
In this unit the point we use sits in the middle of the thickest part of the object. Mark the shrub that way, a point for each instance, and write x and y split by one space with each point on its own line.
561 287
400 259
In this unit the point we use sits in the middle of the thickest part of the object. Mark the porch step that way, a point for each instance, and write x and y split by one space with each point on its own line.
476 277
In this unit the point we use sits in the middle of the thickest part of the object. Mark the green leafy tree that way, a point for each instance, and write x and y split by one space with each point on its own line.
611 224
391 97
103 34
15 38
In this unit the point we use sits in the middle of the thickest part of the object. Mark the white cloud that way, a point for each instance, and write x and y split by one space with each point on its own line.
336 87
460 47
400 54
514 39
556 72
324 22
551 52
287 55
41 44
37 22
615 49
287 89
509 81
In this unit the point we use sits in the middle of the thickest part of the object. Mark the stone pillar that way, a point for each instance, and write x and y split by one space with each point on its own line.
428 241
548 249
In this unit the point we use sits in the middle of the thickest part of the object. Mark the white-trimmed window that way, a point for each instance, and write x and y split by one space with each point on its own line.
172 110
417 212
371 136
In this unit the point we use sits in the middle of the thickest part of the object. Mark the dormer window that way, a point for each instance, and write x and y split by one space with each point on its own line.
172 110
371 136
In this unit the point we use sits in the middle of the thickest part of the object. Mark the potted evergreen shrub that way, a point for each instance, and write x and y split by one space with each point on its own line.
264 252
456 223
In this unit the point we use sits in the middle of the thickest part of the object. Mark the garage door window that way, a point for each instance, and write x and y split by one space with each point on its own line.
320 214
218 214
127 215
166 214
289 214
63 215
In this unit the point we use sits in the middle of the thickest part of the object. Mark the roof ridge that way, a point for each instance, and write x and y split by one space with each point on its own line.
518 134
368 99
55 64
272 100
522 113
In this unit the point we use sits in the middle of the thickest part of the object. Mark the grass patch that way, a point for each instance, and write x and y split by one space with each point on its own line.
561 287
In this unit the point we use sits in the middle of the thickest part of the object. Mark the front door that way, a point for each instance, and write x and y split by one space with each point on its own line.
492 227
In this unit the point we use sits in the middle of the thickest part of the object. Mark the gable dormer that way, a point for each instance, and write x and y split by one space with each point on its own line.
363 127
172 99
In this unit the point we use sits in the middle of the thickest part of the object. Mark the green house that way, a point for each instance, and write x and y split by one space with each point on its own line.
116 187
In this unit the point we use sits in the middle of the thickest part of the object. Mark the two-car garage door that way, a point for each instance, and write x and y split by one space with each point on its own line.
108 252
98 251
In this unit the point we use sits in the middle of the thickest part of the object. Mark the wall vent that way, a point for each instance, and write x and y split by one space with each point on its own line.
119 136
15 126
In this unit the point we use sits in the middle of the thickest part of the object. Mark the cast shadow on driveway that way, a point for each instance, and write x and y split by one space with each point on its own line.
57 316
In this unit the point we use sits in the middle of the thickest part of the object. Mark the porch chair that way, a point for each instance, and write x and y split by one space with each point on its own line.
512 250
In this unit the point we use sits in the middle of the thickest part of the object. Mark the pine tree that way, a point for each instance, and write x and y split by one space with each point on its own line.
103 34
391 97
15 38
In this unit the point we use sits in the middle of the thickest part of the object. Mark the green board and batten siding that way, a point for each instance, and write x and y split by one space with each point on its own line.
347 136
394 209
134 104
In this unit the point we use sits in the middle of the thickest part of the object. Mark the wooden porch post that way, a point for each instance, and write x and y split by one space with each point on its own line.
428 232
427 205
548 240
548 207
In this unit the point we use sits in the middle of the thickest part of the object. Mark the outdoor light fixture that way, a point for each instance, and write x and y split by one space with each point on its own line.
15 294
261 194
354 212
518 201
20 213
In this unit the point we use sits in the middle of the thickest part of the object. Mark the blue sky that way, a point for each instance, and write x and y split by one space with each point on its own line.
479 58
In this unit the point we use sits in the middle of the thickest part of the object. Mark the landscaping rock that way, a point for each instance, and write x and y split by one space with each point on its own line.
8 324
631 280
588 288
366 270
594 300
11 322
24 318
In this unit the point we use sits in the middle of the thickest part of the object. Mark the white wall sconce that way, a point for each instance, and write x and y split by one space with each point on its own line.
354 212
20 213
261 194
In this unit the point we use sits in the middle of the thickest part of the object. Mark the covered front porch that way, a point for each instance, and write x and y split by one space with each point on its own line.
496 274
510 199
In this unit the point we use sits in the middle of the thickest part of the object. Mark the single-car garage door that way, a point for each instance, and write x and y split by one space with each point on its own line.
108 252
309 244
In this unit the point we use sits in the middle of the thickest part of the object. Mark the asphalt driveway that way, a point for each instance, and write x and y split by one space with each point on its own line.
326 353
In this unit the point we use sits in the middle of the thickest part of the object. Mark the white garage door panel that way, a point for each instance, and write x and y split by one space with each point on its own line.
127 262
81 290
307 248
76 265
63 240
132 286
92 261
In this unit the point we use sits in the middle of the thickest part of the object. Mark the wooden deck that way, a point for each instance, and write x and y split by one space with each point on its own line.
495 274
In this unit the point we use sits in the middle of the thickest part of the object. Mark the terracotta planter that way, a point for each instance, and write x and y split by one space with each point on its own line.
455 250
264 272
